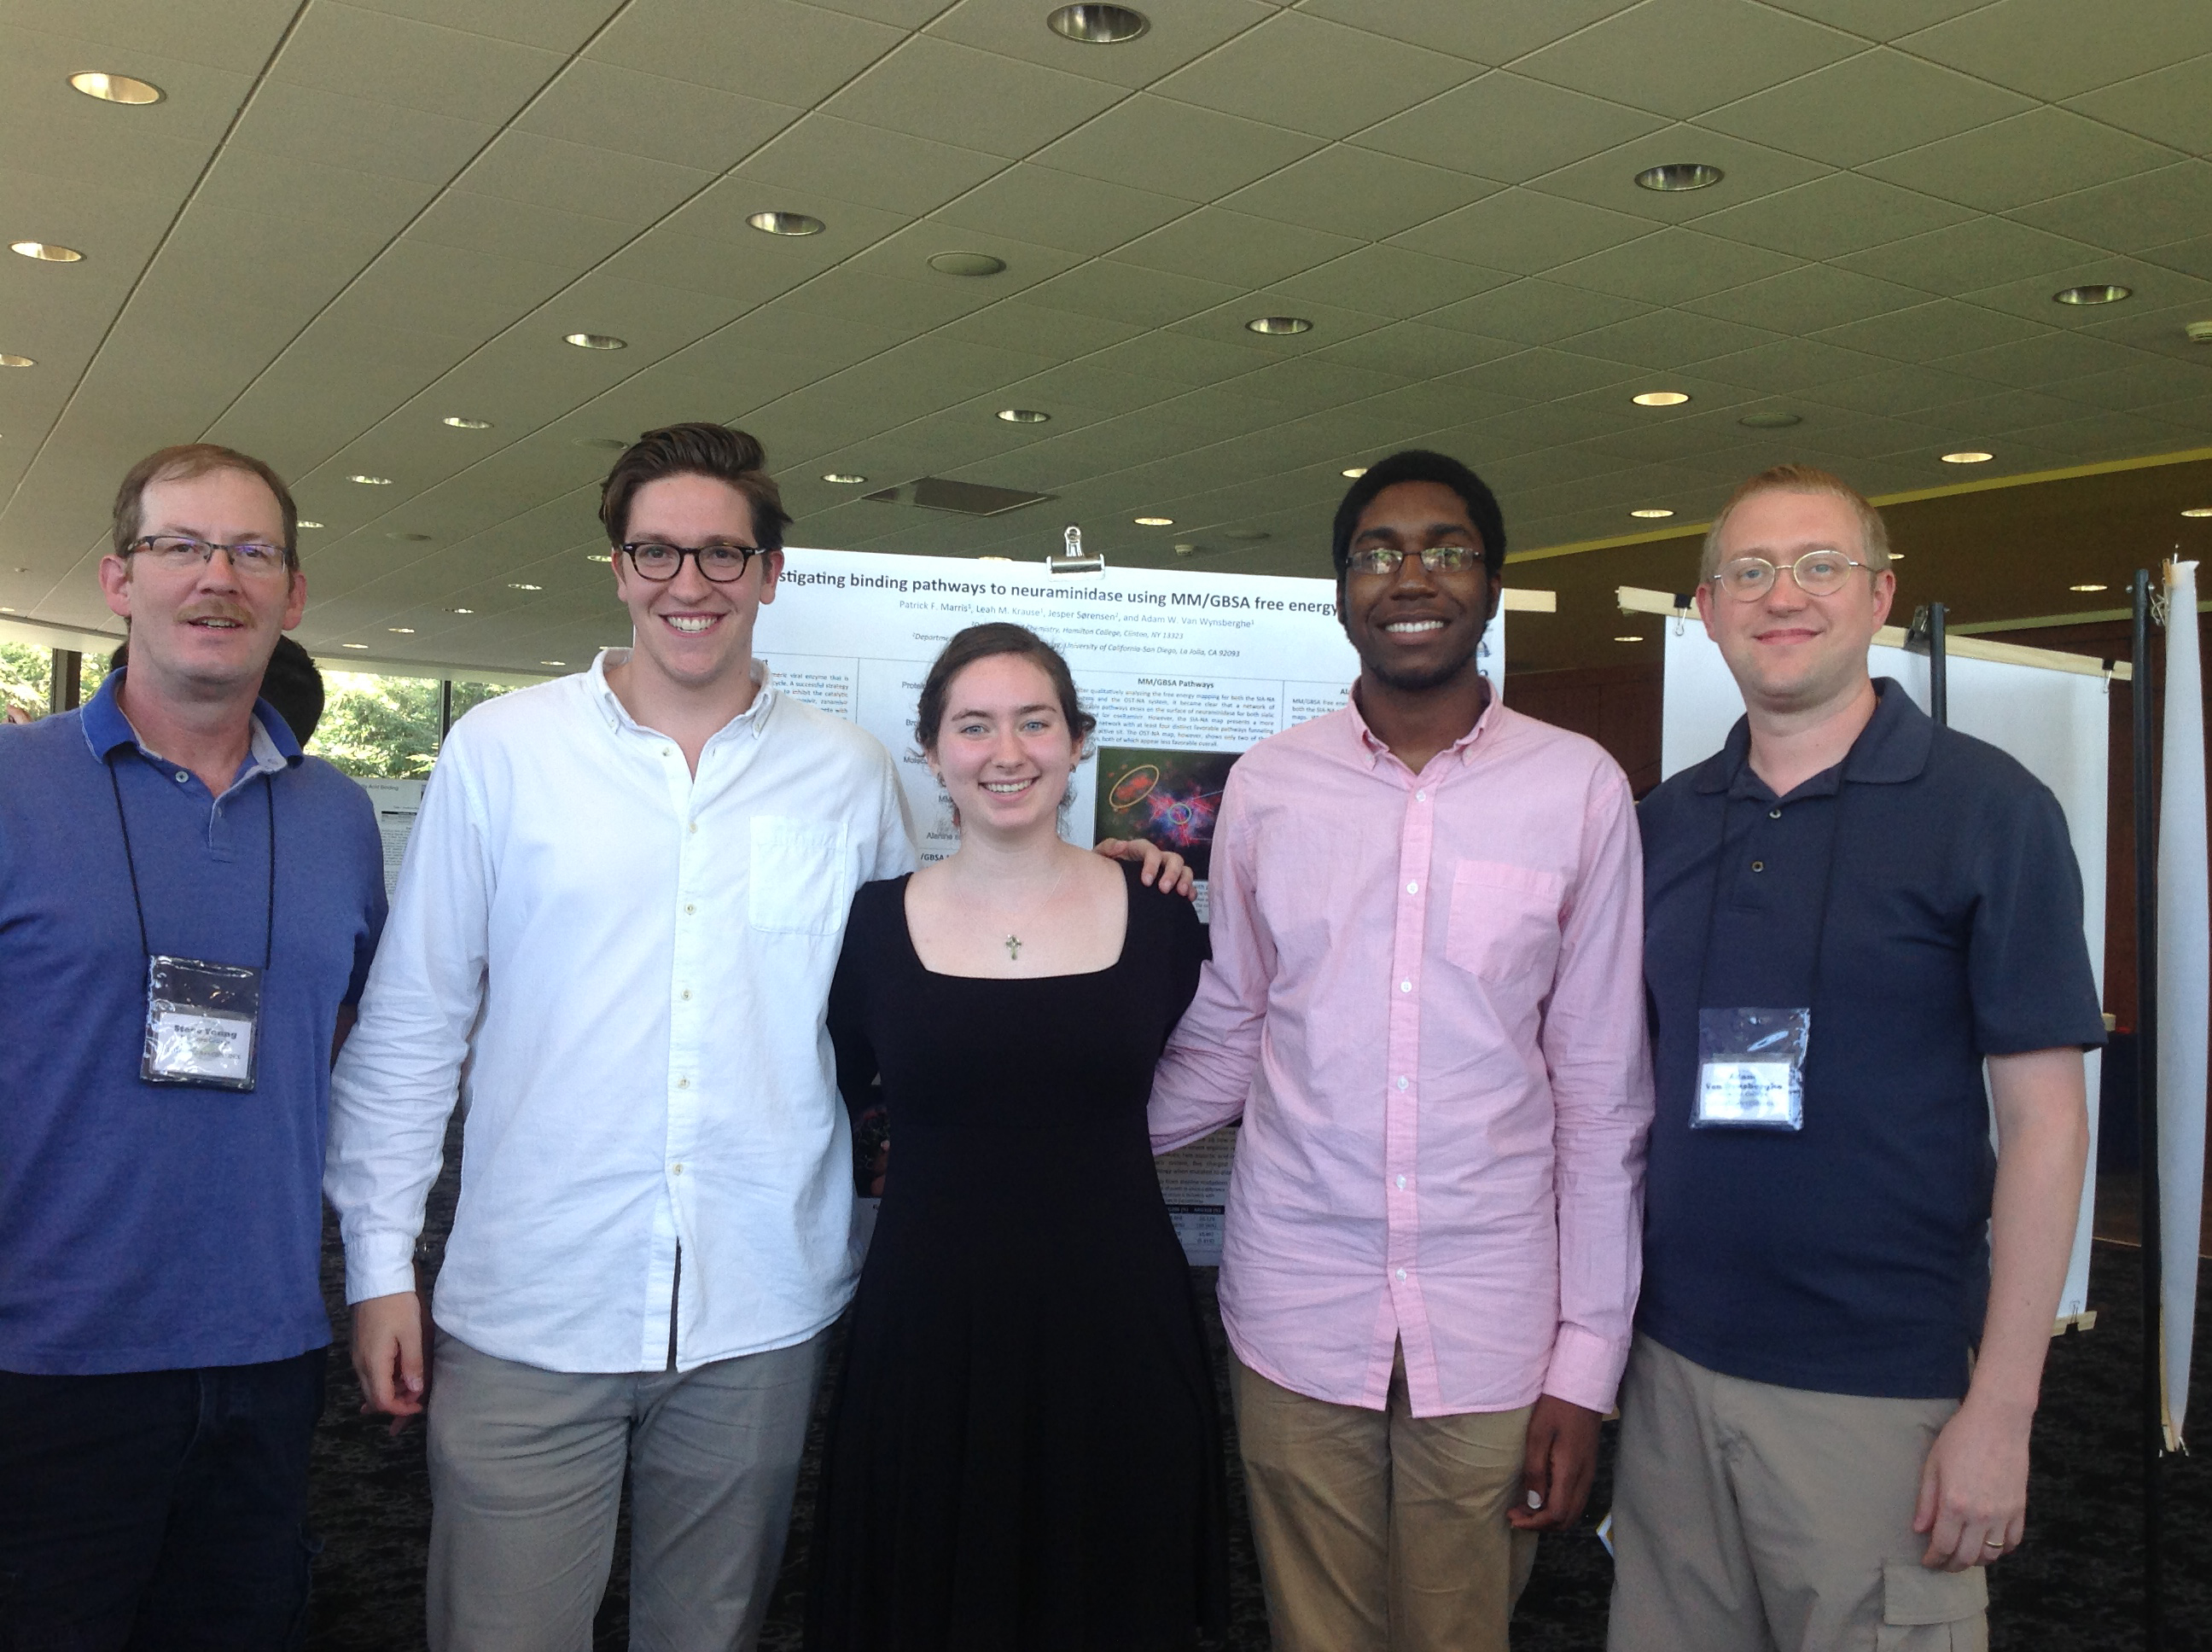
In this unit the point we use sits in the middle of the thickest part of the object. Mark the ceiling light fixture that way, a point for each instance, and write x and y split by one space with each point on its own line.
2198 333
2088 587
304 523
1023 415
596 341
460 424
786 223
1653 512
1274 326
1661 398
115 89
1968 456
844 478
519 585
553 662
461 610
401 630
1096 24
598 556
1637 639
1773 419
2096 293
2198 510
46 251
1677 176
1186 548
353 645
7 360
371 480
1896 555
966 264
1153 521
1355 472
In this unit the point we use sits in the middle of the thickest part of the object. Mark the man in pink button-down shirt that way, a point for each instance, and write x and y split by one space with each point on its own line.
1425 1005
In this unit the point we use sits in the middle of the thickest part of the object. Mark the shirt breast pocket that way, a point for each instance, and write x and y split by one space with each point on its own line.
1505 919
801 878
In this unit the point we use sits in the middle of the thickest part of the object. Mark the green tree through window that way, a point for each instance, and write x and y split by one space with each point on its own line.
388 726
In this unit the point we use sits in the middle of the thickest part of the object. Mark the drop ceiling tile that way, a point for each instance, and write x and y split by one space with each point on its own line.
2145 381
1219 244
116 228
421 66
2101 436
555 25
1314 76
1355 191
1713 433
2152 209
2002 412
1496 32
2152 287
1179 33
1864 107
1080 384
611 107
2161 332
581 178
1673 266
1610 179
1309 384
335 381
1179 358
918 306
1176 149
1128 292
782 328
1535 311
1790 365
1964 258
2171 105
516 229
1666 339
1897 392
250 180
2192 257
2047 49
238 37
891 171
1522 231
1930 332
802 53
1807 299
1438 403
1057 335
1415 350
928 374
1507 127
47 127
338 131
1059 209
2028 158
1661 56
950 94
1544 375
1391 281
1843 212
667 257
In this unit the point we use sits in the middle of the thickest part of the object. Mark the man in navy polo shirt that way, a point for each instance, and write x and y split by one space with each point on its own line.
187 910
1846 1299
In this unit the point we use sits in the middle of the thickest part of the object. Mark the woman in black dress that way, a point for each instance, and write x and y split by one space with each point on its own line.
1024 1453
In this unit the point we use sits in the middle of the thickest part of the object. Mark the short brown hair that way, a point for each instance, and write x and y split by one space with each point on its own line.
1873 535
708 450
982 642
181 464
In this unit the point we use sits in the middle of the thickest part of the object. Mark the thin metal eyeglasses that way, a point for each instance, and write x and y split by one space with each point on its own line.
1438 559
1817 573
179 552
723 564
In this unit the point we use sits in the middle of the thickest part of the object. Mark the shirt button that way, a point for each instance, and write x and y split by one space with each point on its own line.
689 909
1401 1272
676 1169
182 777
1401 1081
1420 797
1412 888
1402 1184
1758 865
683 1083
666 752
1774 814
1405 986
687 995
694 826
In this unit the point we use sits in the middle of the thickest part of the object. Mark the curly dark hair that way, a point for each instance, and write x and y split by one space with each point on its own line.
709 450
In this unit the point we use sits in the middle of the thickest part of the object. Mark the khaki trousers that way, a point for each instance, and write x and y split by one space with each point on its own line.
1378 1531
1752 1518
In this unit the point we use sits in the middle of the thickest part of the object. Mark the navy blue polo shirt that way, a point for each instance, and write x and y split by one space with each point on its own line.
1850 1257
152 1227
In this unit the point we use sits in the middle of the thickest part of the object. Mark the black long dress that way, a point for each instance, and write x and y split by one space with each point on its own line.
1024 1452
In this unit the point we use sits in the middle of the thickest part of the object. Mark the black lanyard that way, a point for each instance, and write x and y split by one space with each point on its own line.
269 934
1827 891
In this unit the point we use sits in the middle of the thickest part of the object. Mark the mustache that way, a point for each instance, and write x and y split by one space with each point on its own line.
222 610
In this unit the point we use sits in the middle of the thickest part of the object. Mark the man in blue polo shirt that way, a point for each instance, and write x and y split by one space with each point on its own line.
1846 1298
187 910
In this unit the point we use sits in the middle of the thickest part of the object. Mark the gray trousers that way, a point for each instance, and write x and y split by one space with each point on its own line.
525 1478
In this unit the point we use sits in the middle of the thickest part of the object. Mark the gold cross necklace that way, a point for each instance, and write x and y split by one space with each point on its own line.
1013 946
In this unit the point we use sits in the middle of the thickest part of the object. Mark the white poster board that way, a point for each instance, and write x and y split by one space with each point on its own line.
2054 721
395 803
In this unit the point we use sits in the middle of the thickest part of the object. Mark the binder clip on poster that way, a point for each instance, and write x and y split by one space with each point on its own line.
1074 559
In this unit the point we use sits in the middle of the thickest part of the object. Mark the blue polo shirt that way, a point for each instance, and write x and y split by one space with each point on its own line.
151 1227
1850 1257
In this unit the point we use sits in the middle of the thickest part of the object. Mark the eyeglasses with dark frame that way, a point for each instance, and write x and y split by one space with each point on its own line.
659 563
179 552
1387 559
1817 573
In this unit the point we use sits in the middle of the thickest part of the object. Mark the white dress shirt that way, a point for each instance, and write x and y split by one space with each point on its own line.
622 970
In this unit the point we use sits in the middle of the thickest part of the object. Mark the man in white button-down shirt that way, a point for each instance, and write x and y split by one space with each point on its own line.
613 938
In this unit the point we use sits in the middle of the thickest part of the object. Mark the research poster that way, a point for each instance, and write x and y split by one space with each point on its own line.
396 802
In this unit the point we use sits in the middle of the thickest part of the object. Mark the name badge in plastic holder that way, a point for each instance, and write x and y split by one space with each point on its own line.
1751 1069
203 1024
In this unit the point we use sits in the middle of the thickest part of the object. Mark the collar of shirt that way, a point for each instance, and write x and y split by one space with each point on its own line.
271 745
1891 749
753 719
1372 750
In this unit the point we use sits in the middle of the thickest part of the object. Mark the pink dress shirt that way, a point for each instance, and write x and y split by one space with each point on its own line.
1426 1005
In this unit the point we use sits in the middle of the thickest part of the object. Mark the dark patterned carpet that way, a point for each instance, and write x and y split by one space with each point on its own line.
2074 1585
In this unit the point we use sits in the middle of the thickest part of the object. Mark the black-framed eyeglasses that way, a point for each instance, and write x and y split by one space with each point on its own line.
1817 573
723 564
1387 559
181 552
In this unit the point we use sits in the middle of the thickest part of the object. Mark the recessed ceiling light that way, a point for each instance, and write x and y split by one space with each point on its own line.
1896 555
460 424
1355 472
461 610
46 251
2198 510
598 556
116 88
1773 419
519 585
1186 548
2096 293
1653 512
371 480
2198 333
1275 326
7 610
786 223
1095 25
844 478
1022 416
1679 175
1628 638
1153 521
2088 587
553 662
1968 456
7 360
353 645
596 341
966 264
994 559
304 523
1661 398
401 630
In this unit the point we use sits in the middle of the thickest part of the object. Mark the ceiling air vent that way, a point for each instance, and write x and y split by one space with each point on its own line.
934 493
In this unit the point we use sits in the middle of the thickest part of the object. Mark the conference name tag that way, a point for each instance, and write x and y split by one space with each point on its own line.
1751 1069
203 1024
